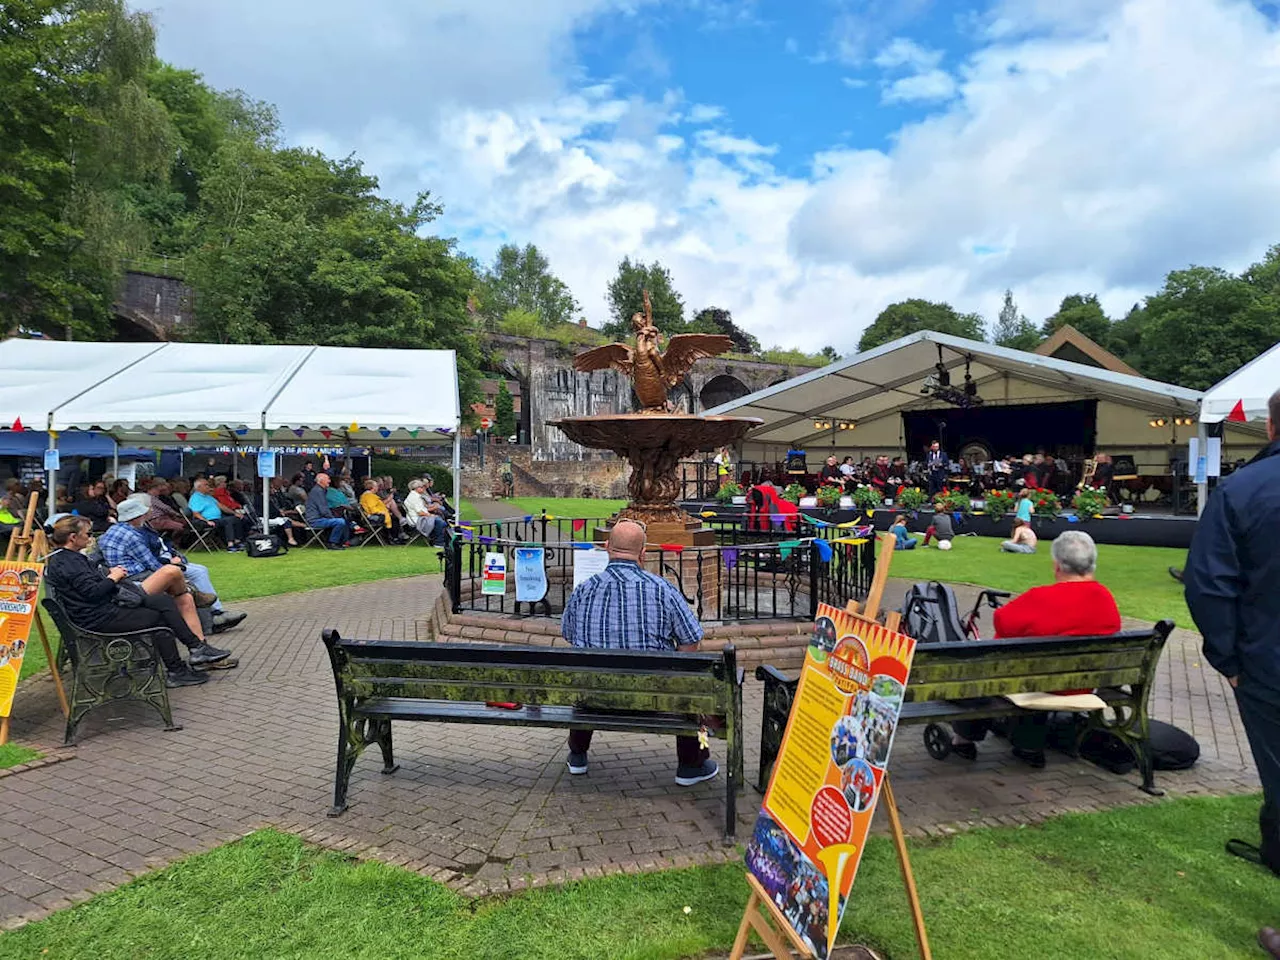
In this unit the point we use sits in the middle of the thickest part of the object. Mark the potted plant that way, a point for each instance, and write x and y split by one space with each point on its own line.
727 492
999 502
911 498
953 501
866 497
1089 501
829 497
1045 503
793 492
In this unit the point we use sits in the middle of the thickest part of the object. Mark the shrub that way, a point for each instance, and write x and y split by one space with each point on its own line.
829 496
404 470
953 501
1090 501
727 492
1045 503
999 502
794 492
867 497
911 498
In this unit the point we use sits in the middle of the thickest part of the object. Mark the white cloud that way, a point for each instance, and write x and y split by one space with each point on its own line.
920 88
902 52
853 83
1071 157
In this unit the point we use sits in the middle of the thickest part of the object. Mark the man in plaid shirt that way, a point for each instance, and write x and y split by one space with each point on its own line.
627 608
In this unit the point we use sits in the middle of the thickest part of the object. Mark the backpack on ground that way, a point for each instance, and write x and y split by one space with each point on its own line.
265 545
1171 748
930 614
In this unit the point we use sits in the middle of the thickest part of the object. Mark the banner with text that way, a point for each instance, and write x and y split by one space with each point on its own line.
817 811
19 587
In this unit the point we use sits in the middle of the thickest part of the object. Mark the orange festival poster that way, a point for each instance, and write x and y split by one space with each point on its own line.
19 587
817 811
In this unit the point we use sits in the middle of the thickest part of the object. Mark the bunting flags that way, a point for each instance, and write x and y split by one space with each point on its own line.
326 433
17 425
354 426
786 546
384 433
579 525
1237 414
242 431
824 550
180 435
298 432
730 557
414 434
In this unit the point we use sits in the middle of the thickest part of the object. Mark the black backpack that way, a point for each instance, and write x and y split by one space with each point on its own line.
930 614
1171 748
265 545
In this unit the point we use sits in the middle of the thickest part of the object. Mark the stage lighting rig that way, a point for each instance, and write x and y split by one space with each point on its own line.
938 385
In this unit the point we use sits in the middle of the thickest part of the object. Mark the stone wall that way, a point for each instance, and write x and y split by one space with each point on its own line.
604 478
152 307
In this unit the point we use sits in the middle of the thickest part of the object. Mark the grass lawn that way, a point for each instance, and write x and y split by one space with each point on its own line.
12 754
574 507
1138 576
1130 884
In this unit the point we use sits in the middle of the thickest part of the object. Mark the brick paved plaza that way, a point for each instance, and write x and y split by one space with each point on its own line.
482 808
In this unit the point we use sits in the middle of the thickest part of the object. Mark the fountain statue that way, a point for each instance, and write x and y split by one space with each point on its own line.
656 439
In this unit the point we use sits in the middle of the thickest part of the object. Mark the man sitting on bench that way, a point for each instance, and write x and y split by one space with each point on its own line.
1074 605
627 608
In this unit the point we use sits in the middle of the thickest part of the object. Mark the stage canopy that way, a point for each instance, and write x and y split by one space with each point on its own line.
1242 397
885 381
199 394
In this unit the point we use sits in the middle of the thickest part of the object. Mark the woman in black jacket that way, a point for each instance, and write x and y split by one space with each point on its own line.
87 594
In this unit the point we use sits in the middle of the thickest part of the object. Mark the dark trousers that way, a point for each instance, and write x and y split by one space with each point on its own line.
1260 714
1028 732
937 480
231 527
157 610
688 751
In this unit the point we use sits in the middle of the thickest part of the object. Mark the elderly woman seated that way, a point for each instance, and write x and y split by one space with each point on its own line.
1074 605
96 601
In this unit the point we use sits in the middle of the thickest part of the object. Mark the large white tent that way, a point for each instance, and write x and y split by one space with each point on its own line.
1240 398
187 393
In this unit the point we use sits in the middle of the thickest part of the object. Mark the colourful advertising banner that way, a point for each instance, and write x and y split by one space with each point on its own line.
19 587
817 811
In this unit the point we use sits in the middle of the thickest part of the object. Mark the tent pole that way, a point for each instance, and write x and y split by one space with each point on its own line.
457 465
1202 489
51 489
115 458
266 489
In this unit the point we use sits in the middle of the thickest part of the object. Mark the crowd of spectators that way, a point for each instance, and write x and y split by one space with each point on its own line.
935 470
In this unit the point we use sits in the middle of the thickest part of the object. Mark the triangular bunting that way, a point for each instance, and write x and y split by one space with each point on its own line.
1236 415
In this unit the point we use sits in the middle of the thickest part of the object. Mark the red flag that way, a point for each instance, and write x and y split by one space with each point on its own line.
579 525
1237 413
180 436
327 433
17 425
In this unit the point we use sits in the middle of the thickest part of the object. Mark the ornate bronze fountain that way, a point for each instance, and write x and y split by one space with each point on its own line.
656 439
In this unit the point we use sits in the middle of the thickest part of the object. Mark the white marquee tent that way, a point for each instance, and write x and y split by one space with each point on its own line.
1240 398
176 394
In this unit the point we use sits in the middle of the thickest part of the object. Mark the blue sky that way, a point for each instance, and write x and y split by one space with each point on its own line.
802 164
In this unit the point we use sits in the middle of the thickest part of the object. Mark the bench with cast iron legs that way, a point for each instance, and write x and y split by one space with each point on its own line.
963 681
379 681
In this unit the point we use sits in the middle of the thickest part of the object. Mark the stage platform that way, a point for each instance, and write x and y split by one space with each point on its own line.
1140 529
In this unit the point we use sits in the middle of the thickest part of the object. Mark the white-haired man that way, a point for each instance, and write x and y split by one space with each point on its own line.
1074 605
425 514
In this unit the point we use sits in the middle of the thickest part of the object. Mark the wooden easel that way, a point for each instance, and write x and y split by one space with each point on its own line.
757 919
25 545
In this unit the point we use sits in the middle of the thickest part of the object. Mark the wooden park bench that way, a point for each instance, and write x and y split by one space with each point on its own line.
964 681
379 681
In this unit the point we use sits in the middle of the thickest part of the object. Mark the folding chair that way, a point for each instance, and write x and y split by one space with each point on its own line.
206 537
373 526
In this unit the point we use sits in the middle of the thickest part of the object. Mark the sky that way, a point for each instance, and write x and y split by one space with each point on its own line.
801 163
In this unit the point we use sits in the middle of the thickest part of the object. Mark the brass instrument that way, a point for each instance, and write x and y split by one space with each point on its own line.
1090 468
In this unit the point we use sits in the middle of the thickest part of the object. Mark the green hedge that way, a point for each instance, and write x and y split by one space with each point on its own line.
403 470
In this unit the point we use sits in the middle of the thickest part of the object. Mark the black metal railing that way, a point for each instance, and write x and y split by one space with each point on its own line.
746 575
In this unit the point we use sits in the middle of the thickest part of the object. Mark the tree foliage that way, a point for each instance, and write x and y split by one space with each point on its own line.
1085 313
717 320
912 316
521 279
626 298
1012 329
504 409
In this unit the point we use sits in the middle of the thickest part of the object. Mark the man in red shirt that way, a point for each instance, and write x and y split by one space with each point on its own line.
1074 605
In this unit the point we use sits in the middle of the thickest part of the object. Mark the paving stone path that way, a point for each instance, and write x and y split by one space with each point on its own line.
482 808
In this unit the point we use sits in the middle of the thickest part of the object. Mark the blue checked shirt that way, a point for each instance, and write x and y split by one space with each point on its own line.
626 608
128 547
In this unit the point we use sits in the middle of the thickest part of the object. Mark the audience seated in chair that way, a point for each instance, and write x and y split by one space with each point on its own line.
208 513
425 514
95 505
320 517
1074 605
376 509
92 599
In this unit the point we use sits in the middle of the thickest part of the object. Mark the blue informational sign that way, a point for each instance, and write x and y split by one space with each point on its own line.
52 460
531 574
266 463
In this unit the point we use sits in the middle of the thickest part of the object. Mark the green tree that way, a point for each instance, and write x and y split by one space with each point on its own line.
1012 329
1205 323
912 316
504 408
521 279
828 354
626 298
717 320
1084 312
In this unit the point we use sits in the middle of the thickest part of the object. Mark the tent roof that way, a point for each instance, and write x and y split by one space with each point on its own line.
1251 386
189 393
888 378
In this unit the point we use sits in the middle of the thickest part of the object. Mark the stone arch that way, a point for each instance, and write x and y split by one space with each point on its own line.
722 389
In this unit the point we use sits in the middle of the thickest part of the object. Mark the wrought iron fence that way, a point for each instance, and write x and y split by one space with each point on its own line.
746 575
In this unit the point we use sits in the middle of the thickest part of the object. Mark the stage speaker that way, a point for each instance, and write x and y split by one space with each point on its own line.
1123 466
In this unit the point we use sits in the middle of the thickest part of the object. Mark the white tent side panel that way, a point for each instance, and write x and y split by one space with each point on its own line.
393 390
37 376
1251 386
193 388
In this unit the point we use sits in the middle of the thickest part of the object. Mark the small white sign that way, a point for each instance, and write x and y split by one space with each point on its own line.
808 501
531 574
495 575
846 503
1213 450
587 563
739 501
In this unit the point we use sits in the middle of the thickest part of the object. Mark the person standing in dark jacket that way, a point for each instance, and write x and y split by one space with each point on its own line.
1232 581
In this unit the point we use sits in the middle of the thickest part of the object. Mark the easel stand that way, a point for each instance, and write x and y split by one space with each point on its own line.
23 546
762 914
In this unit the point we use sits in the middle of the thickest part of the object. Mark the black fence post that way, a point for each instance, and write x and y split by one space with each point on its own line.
814 579
544 526
454 574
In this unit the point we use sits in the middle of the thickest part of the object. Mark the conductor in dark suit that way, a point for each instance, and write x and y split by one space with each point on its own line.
937 465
